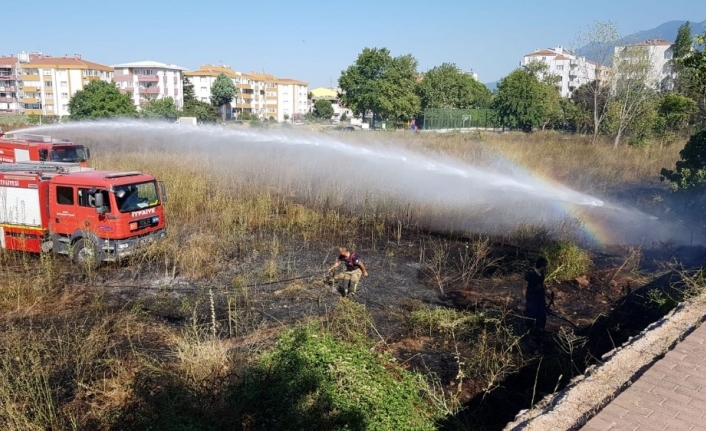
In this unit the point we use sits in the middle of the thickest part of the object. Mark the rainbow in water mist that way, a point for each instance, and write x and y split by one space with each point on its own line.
483 197
604 223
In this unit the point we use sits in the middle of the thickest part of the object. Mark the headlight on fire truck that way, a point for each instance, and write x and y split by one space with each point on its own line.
123 246
133 225
155 220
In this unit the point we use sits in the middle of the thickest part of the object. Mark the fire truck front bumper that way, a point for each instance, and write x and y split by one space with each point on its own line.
118 249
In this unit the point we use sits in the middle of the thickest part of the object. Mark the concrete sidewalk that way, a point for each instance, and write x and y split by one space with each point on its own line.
671 394
656 380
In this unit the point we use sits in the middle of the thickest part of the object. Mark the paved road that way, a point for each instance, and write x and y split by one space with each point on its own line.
670 395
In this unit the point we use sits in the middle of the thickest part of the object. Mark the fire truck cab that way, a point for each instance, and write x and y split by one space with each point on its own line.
92 216
25 147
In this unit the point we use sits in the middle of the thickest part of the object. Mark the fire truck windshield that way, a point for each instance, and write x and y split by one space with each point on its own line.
134 197
73 154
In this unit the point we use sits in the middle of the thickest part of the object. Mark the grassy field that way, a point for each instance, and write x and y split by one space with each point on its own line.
201 332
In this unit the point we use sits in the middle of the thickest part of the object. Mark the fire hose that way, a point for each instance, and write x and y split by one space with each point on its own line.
556 314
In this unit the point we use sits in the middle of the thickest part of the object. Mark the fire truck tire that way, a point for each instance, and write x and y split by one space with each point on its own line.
86 253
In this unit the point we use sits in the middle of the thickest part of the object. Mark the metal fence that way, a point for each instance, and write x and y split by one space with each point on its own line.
437 118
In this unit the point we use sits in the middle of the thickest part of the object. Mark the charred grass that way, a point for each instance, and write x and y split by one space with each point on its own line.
228 323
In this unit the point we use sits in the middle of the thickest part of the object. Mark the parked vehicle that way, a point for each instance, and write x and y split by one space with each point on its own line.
93 216
27 147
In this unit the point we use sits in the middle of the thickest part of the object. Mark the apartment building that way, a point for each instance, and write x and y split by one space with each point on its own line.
9 103
35 83
659 53
259 94
145 81
573 70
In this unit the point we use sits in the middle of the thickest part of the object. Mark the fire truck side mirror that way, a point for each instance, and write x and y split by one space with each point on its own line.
100 205
163 189
88 153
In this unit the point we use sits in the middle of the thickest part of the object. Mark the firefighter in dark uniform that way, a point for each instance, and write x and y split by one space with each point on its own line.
535 294
354 269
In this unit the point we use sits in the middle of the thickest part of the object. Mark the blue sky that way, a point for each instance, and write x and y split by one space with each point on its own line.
315 40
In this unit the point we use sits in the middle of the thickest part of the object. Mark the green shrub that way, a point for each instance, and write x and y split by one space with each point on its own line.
310 380
690 172
566 261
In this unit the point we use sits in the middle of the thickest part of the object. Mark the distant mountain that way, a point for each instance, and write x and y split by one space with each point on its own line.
492 86
666 31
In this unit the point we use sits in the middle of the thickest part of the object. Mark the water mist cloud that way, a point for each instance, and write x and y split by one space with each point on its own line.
490 198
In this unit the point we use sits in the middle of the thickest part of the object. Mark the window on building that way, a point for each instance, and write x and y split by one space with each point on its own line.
560 67
48 83
46 72
50 107
65 106
64 84
30 71
64 95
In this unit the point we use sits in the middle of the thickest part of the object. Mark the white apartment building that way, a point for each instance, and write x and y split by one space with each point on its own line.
150 80
259 94
573 70
659 53
44 84
291 98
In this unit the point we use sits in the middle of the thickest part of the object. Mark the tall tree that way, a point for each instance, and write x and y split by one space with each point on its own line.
100 99
189 93
632 92
163 109
323 109
446 86
599 41
381 84
681 75
682 44
522 100
695 65
222 92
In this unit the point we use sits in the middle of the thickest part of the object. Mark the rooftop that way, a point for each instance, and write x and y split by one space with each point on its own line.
75 62
151 64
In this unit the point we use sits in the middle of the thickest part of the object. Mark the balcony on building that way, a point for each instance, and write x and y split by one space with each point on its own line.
149 90
123 78
8 99
147 78
7 88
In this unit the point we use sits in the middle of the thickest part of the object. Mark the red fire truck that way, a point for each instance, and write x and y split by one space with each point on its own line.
25 147
93 216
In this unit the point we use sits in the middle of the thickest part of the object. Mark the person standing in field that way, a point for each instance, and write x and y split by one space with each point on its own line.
535 294
354 269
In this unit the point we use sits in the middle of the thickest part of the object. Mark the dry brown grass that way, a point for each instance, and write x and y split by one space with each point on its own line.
74 365
570 159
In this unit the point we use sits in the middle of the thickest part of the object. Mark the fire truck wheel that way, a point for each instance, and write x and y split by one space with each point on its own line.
86 254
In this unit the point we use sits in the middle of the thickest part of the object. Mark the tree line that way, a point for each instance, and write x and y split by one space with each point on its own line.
391 88
625 100
100 99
